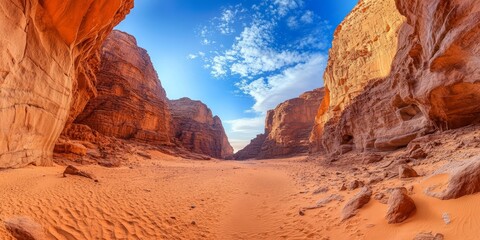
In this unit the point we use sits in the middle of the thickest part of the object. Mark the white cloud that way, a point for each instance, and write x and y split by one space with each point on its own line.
226 20
253 54
284 6
292 22
307 17
192 56
247 125
271 91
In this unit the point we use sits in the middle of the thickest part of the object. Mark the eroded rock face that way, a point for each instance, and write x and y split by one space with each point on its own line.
362 51
434 83
196 129
131 103
49 55
287 128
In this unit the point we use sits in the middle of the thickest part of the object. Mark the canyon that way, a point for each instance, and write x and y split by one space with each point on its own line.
393 134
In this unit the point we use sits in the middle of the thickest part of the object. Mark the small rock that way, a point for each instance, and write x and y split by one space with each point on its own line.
357 202
144 154
71 170
446 218
381 198
24 228
193 206
374 180
429 236
354 185
400 206
301 212
320 190
193 223
405 171
343 187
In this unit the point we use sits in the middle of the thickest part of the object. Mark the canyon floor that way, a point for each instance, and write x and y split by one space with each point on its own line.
173 198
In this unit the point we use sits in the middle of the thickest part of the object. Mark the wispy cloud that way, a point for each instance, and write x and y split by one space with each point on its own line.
273 51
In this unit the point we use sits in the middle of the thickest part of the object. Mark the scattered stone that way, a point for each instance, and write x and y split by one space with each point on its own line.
321 203
357 202
429 236
372 158
418 154
446 218
193 206
301 212
380 197
24 228
144 154
320 190
71 170
193 223
343 187
354 185
400 206
374 180
405 171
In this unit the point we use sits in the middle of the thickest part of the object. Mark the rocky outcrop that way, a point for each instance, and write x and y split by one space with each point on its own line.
196 129
464 180
433 84
131 103
49 56
287 128
363 49
252 149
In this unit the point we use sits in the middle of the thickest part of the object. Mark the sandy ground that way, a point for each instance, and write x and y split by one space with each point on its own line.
173 198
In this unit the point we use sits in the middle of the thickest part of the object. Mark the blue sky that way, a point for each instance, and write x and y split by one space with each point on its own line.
240 57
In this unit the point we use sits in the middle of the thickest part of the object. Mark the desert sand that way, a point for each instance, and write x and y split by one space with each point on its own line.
173 198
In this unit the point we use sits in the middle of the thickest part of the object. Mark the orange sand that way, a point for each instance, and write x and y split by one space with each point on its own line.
173 198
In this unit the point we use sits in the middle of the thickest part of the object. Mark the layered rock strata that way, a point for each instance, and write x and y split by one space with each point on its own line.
131 102
287 128
196 129
49 56
433 83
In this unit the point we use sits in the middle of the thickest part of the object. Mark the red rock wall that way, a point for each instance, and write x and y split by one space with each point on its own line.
131 102
49 52
287 128
434 82
196 129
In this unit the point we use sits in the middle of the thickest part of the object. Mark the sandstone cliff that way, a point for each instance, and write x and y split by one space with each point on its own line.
433 84
287 128
196 129
49 55
131 103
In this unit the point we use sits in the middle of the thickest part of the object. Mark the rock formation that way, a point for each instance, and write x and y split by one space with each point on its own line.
358 201
287 128
49 56
400 206
196 129
252 149
433 82
131 103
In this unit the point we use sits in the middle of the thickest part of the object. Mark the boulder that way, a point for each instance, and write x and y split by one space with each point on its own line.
400 206
358 201
406 171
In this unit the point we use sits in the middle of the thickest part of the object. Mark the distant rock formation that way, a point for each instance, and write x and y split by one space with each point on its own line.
49 53
380 96
196 129
287 128
131 102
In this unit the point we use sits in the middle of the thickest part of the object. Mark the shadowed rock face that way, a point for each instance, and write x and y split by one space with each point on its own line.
434 82
49 56
196 129
131 103
287 128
